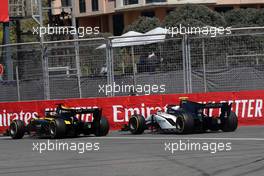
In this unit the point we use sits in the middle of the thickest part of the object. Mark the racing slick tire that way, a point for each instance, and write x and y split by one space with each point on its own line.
17 129
230 123
213 124
104 127
137 124
57 128
86 128
184 123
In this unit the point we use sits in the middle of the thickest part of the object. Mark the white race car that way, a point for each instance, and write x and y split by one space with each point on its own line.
189 117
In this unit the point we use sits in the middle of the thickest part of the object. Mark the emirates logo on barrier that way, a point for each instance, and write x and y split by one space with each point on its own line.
1 69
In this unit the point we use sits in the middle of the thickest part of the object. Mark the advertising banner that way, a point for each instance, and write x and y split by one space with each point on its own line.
248 105
4 11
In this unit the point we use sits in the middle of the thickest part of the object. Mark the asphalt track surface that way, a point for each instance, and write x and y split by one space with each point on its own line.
121 154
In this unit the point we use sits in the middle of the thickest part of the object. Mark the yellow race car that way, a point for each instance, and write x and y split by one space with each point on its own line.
61 123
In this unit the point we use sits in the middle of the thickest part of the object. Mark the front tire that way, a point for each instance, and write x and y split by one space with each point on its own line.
17 129
137 124
184 123
57 128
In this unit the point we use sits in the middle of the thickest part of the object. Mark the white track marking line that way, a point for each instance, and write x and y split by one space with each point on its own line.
5 137
160 138
179 138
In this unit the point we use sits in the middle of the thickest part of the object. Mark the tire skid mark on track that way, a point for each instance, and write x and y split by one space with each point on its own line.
251 171
67 167
60 162
217 172
215 157
201 171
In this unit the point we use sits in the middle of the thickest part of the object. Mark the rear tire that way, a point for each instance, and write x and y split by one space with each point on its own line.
17 129
213 125
230 123
137 124
104 127
184 123
57 128
87 128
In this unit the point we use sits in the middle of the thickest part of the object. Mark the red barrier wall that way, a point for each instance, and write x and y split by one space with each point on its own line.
248 105
4 11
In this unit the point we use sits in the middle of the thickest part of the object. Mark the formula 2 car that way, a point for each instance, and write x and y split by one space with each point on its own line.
189 117
61 123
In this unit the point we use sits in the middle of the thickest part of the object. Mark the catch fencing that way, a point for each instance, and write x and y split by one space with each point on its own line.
87 67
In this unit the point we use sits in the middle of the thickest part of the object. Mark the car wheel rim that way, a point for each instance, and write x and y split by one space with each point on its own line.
133 124
179 124
52 130
13 129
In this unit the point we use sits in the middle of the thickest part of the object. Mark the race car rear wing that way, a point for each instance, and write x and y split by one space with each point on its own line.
195 107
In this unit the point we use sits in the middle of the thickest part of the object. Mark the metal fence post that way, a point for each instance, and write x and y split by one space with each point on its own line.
45 66
44 58
187 67
187 71
107 48
110 65
18 85
204 67
7 58
188 48
78 67
133 66
184 64
112 68
77 50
